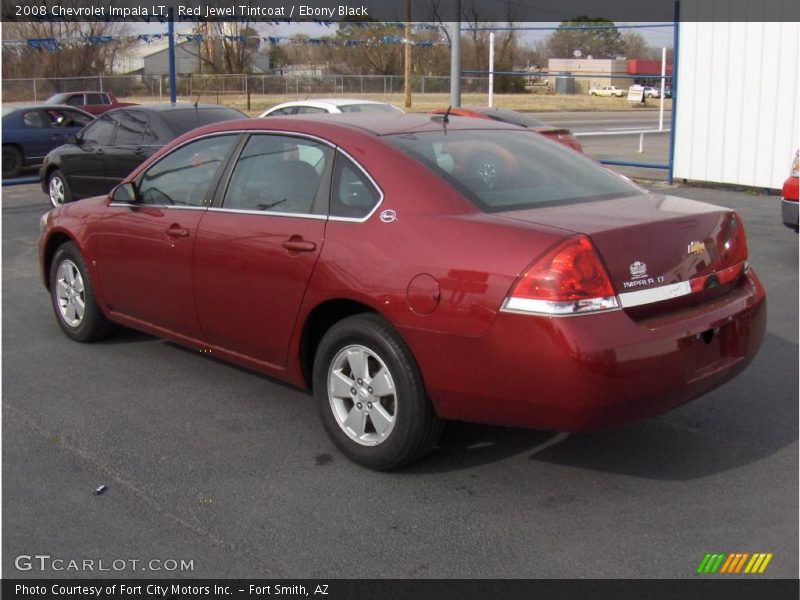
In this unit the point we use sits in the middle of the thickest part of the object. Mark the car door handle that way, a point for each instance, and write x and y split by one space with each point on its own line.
99 151
298 244
177 231
139 151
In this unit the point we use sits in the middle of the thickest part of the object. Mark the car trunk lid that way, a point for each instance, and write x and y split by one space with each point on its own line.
661 252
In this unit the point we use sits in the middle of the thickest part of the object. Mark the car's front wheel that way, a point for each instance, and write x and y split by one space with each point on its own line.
58 189
370 394
73 299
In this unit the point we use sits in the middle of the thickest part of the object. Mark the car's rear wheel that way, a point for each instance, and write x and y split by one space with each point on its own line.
370 394
73 298
58 189
12 161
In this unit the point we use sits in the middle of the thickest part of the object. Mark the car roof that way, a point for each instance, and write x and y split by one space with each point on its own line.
371 123
329 102
7 110
325 103
167 107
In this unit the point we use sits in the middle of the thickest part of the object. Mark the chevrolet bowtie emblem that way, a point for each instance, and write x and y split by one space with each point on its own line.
696 248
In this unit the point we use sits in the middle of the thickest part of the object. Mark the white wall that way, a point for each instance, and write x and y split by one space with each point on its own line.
737 100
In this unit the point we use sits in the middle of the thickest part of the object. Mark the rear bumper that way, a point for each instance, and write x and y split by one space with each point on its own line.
594 371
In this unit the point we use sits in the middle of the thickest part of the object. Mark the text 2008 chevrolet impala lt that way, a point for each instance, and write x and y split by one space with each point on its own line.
411 269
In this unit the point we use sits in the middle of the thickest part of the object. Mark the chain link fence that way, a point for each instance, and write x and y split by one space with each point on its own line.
215 87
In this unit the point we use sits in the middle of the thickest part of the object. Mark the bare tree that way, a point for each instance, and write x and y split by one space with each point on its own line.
80 48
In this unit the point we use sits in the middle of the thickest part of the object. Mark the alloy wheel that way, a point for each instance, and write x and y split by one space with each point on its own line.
57 191
362 395
70 293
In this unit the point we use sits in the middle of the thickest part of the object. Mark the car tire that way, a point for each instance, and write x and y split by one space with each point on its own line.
72 295
58 189
12 161
370 395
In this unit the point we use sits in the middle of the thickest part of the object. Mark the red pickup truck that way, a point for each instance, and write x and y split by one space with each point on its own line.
95 103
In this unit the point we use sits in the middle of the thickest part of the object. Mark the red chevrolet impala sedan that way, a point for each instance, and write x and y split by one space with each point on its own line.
409 270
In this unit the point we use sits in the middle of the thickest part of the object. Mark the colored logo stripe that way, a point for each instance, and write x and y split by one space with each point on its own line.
734 563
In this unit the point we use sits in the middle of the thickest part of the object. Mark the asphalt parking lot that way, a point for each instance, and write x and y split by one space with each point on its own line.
212 463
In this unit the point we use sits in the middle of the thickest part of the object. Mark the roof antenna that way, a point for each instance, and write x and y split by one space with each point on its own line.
446 117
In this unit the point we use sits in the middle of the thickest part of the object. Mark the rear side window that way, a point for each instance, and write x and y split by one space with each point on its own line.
276 173
182 178
97 99
75 100
33 118
181 121
511 170
132 128
353 195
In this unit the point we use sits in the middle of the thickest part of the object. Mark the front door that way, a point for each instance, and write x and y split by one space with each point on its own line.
145 249
255 253
84 164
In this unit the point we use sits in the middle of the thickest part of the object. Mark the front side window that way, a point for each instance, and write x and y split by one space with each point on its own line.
511 169
310 110
101 132
182 178
75 100
276 173
369 108
353 195
282 112
61 117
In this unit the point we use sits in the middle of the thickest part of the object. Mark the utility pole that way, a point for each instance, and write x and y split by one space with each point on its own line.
455 58
407 66
171 33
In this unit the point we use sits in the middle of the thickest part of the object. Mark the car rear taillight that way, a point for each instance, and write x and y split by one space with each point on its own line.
570 279
732 244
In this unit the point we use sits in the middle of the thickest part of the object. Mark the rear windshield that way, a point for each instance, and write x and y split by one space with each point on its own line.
503 170
383 108
183 120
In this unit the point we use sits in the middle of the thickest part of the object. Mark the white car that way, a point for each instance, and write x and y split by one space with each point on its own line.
651 92
607 90
329 105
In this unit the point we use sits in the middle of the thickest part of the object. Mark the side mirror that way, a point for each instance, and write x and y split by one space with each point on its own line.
72 139
125 193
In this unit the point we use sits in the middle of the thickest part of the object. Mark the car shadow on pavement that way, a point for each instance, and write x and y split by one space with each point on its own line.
744 421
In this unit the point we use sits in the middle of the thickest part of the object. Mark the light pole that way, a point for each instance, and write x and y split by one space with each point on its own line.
455 58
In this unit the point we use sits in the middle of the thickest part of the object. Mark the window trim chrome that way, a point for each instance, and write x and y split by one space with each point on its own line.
265 213
222 208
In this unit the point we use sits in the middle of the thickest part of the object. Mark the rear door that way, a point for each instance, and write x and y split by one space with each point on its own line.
130 146
97 103
256 249
35 135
